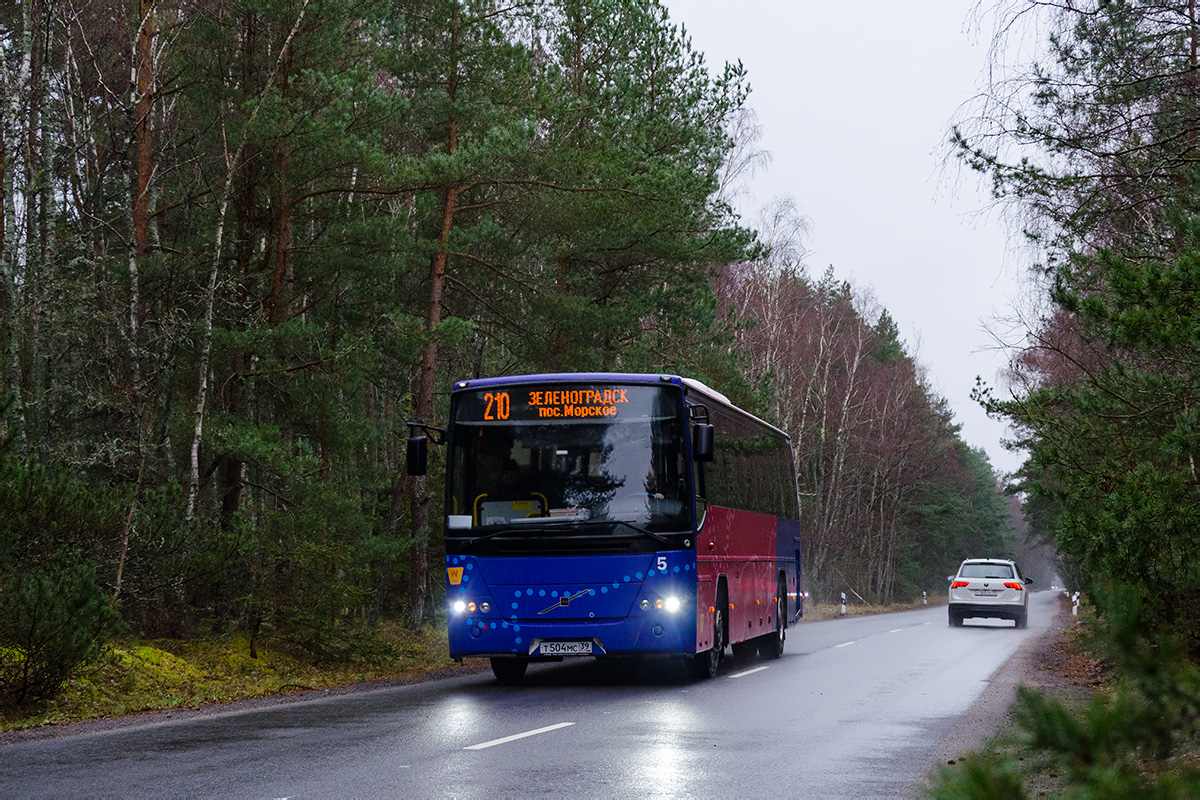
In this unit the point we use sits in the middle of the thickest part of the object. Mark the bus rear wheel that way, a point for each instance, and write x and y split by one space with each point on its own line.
509 671
771 645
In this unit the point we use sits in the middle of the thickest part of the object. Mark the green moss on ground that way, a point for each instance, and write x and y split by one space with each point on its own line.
136 676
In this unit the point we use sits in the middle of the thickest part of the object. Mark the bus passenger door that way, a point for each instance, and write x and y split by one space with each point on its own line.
799 581
701 499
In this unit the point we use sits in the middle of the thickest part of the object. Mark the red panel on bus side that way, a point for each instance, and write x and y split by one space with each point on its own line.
743 546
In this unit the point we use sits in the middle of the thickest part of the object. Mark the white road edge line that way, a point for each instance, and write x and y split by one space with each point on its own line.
516 736
748 672
843 644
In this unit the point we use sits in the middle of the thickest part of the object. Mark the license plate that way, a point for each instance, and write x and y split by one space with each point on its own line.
986 593
565 648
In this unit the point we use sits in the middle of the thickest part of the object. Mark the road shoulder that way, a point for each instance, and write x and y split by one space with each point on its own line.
1037 664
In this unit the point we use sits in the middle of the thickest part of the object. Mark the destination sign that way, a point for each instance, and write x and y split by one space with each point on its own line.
577 402
545 403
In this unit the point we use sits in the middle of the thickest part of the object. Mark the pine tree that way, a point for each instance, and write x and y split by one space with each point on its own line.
1105 392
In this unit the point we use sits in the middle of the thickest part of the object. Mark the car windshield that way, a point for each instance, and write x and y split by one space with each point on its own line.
986 571
537 455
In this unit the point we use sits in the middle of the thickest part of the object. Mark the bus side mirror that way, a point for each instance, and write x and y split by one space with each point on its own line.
417 457
702 442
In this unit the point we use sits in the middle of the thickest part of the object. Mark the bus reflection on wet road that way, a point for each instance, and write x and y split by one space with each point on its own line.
852 709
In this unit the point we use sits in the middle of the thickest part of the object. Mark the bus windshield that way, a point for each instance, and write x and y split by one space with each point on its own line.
530 455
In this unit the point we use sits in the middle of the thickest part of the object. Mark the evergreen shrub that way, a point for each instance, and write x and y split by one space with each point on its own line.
55 616
52 621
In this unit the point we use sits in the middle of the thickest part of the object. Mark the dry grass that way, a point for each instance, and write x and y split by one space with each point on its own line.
1070 674
815 612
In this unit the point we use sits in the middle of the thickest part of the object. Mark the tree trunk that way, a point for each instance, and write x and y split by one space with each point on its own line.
419 562
232 162
139 246
9 233
419 497
231 475
37 199
390 525
144 105
279 303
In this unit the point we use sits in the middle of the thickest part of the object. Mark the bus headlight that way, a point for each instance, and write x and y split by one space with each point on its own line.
458 606
668 604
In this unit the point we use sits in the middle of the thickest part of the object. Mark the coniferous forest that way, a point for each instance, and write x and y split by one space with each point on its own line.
1091 143
1094 145
243 242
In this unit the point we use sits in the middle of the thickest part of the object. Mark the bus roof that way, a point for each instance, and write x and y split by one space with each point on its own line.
612 377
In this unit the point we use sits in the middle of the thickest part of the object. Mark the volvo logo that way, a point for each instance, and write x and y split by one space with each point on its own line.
564 601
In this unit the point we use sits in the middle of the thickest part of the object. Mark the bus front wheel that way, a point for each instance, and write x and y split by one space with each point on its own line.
706 664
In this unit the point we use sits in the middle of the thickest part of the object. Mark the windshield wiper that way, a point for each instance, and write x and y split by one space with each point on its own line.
571 523
512 528
644 531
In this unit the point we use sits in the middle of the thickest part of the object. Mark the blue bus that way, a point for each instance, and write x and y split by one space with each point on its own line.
614 515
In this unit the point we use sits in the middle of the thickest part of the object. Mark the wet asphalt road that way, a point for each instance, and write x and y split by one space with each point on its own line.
855 708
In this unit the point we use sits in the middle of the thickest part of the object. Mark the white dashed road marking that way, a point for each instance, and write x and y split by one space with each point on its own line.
516 736
748 672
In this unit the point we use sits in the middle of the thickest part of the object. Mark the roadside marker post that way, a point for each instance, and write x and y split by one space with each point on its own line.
1075 605
843 604
925 598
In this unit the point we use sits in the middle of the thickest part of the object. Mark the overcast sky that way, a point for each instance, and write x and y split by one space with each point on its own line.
856 100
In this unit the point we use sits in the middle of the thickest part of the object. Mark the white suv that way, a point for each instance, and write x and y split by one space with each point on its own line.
989 587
